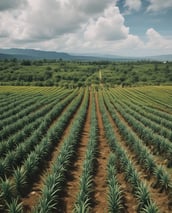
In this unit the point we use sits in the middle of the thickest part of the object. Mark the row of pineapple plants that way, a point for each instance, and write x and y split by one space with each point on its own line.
124 164
16 157
146 101
146 118
23 114
9 98
22 100
115 194
25 111
14 108
141 94
84 197
24 175
53 183
162 118
160 144
21 136
10 102
17 125
144 157
28 130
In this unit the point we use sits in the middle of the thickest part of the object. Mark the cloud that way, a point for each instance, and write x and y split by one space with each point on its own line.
158 5
156 41
133 4
92 6
11 4
42 20
77 26
109 26
52 18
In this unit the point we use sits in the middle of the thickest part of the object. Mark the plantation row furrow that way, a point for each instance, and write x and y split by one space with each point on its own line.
132 110
157 143
161 110
100 179
140 189
144 96
49 199
9 98
71 187
34 110
115 195
22 135
146 166
30 199
24 175
15 107
129 201
161 118
157 114
15 100
17 156
84 198
4 124
23 100
124 164
17 126
130 94
29 110
145 158
161 180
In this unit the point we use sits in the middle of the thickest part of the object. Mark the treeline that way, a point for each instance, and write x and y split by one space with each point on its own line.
79 74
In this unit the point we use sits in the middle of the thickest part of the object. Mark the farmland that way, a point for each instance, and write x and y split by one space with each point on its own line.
85 149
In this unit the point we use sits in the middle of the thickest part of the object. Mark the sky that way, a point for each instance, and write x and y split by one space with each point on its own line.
105 27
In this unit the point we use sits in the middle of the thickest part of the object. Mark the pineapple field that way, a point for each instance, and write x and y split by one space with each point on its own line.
90 149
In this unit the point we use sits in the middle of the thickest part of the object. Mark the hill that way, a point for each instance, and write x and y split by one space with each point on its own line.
33 54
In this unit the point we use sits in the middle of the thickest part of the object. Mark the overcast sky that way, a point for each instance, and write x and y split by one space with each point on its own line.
118 27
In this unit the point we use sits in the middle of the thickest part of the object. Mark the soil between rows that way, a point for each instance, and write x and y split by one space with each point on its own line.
162 200
31 199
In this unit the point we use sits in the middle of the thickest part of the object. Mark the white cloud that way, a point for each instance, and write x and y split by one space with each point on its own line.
156 41
157 5
49 19
109 26
92 6
133 4
76 26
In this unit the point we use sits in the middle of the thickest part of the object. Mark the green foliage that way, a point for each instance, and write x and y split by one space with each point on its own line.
150 208
80 74
14 207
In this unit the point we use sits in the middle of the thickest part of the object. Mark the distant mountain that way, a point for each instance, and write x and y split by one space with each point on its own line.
33 54
6 56
39 54
160 57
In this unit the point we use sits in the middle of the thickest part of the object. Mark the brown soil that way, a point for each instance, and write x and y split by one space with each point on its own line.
130 200
100 188
162 200
31 199
159 159
68 197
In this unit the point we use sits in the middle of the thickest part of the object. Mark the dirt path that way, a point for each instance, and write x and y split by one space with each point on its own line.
100 188
68 198
31 199
130 200
161 199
